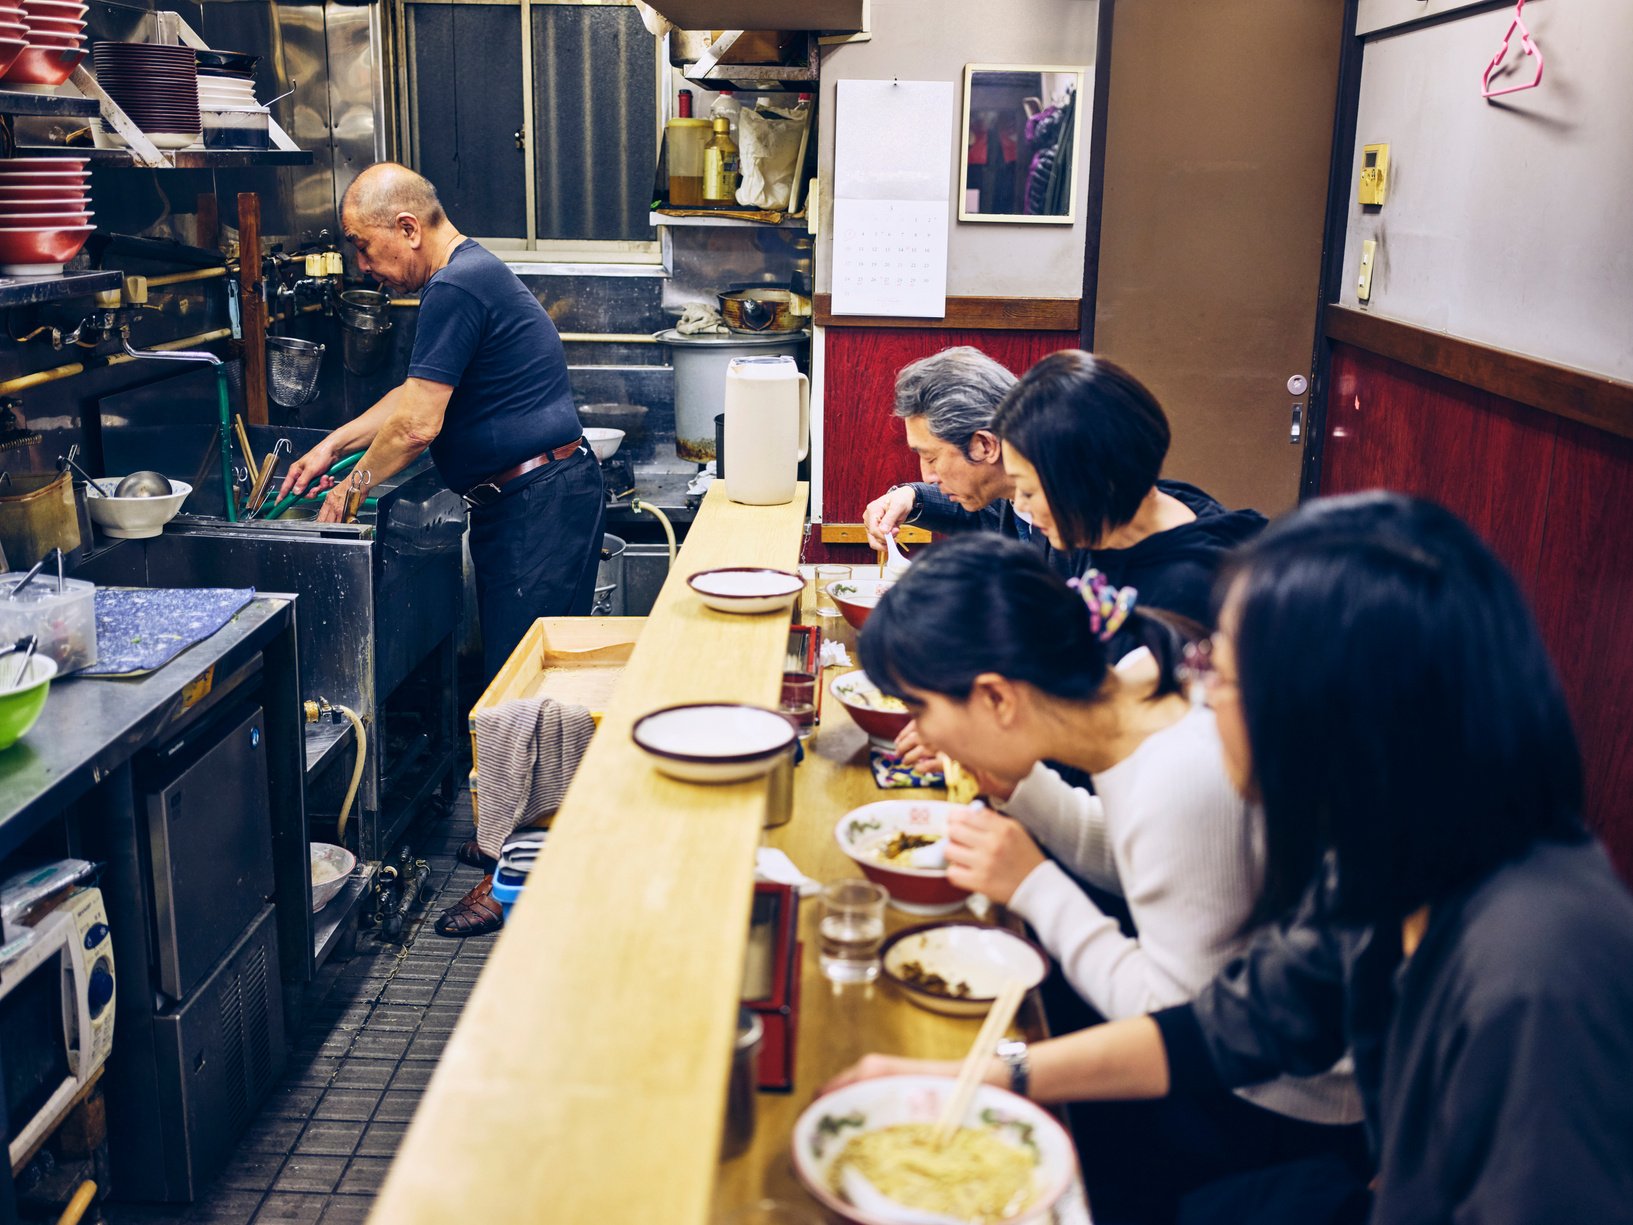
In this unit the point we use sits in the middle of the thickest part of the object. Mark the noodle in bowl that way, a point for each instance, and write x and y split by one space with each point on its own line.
1010 1163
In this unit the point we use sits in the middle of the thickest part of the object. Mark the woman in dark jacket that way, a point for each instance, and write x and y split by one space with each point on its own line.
1084 442
1440 911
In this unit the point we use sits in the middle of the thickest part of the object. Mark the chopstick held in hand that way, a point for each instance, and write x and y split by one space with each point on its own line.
974 1067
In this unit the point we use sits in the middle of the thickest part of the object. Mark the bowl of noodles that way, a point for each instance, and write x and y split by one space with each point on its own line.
878 714
1009 1163
857 597
901 844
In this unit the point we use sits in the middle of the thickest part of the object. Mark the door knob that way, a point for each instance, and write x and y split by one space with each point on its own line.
1297 385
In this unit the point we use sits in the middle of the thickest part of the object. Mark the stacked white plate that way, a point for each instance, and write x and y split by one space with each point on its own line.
156 86
226 94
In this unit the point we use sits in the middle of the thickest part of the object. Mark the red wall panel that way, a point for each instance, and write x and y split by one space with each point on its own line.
863 449
1554 498
1480 455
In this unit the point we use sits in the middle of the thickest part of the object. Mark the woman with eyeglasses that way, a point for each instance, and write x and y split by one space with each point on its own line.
1440 911
1005 665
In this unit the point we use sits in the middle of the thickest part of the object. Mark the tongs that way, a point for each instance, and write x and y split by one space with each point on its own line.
263 483
27 646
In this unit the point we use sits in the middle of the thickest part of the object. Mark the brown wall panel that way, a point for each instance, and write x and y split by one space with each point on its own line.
864 453
1554 498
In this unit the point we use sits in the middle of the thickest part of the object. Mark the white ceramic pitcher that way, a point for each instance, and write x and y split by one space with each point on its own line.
768 429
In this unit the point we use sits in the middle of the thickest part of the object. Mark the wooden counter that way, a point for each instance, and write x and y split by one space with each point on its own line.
586 1080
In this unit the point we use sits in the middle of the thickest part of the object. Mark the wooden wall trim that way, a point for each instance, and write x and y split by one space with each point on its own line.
984 314
1593 399
855 533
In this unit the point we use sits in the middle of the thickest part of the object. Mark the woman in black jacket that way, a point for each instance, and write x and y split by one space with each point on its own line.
1439 909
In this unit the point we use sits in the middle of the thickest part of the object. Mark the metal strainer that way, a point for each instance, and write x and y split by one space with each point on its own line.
292 370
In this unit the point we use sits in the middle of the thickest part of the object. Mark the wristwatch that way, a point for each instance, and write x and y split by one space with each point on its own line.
1013 1052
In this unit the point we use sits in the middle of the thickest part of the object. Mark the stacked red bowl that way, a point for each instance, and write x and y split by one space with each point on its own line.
53 37
157 86
45 213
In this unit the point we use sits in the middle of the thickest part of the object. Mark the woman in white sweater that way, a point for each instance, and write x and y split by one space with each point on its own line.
1005 666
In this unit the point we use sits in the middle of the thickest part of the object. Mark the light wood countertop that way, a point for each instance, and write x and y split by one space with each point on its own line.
586 1081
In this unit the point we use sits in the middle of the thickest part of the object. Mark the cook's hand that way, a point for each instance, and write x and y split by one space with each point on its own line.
312 466
989 853
871 1067
911 746
333 509
888 512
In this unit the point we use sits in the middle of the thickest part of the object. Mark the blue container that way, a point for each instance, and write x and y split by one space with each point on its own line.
516 859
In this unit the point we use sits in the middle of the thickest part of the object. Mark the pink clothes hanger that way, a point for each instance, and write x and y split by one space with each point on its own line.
1527 44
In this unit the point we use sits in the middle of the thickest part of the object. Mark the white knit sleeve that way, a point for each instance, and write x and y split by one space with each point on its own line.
1069 821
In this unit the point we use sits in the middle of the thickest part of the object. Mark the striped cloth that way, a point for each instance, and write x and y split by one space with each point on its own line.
528 752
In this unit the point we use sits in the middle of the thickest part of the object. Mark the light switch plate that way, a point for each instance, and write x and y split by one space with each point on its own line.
1363 283
1374 174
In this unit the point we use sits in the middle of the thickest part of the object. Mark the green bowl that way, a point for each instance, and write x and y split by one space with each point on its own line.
21 704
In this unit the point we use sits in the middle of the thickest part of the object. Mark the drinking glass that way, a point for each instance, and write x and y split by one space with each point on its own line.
825 605
851 930
799 700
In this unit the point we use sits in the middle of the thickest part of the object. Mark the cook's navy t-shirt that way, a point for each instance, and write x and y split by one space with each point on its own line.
482 333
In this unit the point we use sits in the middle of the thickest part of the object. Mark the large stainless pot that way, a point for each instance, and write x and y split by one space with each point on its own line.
700 380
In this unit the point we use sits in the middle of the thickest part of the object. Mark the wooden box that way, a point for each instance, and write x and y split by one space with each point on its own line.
579 660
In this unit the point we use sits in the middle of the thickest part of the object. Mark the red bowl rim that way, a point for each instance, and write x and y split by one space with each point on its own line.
918 874
46 229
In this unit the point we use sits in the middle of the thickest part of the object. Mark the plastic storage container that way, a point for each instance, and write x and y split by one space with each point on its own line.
683 149
64 622
516 859
237 129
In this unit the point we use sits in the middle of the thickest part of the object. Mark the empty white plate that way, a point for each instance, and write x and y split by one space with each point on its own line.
717 742
747 589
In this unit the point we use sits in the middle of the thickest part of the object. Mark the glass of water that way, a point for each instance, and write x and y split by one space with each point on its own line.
851 930
825 605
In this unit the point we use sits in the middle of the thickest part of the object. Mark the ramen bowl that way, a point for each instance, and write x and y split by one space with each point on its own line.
134 518
714 742
958 966
857 597
870 833
747 589
331 865
829 1124
604 442
880 716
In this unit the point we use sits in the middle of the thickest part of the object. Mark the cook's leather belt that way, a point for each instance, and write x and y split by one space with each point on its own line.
485 491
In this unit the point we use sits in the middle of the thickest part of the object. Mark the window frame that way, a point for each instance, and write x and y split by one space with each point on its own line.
531 249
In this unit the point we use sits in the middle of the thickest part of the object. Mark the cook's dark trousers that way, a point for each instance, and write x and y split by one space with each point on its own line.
535 551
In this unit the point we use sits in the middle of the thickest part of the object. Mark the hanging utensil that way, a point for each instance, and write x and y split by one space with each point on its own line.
91 487
356 491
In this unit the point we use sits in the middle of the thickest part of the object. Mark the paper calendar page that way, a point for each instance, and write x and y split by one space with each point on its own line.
890 258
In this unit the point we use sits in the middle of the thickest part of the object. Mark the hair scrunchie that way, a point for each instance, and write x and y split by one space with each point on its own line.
1109 605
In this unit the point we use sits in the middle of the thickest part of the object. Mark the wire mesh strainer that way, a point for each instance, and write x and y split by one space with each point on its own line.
292 370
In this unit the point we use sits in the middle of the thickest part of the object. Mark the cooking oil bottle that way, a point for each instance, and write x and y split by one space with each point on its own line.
720 165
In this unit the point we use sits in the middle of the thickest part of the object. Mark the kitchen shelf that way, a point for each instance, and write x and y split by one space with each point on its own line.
18 102
787 223
323 741
846 16
31 290
186 159
333 920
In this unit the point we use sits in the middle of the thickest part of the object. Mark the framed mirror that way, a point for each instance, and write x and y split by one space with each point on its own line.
1021 131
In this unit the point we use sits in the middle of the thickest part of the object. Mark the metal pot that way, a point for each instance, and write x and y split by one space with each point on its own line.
758 309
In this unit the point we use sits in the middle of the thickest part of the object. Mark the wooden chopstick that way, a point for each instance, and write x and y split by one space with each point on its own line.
971 1073
243 443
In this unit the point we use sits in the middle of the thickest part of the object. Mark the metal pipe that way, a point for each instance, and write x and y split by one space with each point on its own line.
182 278
41 377
173 353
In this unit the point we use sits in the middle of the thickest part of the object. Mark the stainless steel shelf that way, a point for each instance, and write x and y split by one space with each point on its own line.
17 102
787 223
330 923
31 290
323 741
193 159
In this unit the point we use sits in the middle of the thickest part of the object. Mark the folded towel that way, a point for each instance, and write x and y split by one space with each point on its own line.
528 752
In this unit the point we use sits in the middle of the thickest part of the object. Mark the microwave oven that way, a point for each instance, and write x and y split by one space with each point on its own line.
56 1016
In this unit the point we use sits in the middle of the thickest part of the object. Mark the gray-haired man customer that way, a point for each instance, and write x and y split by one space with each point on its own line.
946 403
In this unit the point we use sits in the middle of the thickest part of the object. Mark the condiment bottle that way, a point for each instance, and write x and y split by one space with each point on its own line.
720 165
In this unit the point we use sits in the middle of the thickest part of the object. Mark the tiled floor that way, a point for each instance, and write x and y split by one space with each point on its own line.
320 1148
